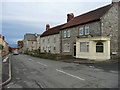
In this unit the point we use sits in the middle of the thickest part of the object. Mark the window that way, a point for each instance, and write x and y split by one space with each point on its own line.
43 40
54 38
48 40
68 33
99 47
84 46
81 31
87 31
66 47
64 34
43 48
54 48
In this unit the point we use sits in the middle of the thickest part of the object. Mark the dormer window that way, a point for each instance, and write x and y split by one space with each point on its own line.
81 30
87 30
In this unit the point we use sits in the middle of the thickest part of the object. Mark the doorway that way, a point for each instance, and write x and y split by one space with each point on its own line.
74 50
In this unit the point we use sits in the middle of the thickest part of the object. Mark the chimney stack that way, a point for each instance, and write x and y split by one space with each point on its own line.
115 1
70 16
3 38
47 27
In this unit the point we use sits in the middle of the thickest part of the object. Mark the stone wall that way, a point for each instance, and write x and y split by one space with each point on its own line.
50 46
110 27
74 31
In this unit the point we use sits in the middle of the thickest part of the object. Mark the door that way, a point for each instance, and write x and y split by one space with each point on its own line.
74 50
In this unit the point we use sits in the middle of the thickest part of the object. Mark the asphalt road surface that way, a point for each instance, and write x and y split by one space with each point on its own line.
32 72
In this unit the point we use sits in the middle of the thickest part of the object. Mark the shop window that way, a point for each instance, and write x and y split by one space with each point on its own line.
84 46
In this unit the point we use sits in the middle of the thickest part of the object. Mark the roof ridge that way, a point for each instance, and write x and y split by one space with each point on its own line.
94 10
52 31
92 15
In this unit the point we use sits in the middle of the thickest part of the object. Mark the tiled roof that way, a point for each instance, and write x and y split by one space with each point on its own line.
88 17
52 31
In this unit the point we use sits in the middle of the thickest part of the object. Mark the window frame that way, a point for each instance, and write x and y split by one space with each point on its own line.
99 47
87 30
68 34
54 38
85 44
65 34
81 28
66 47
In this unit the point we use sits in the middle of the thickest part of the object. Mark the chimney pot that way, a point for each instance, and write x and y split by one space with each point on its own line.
3 38
70 16
47 26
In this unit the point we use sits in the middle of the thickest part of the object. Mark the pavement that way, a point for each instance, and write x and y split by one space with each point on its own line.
6 70
0 69
32 72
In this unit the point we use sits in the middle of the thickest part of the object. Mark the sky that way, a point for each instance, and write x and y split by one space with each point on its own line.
18 17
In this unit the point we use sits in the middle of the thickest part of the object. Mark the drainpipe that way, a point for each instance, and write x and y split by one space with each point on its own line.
101 31
61 42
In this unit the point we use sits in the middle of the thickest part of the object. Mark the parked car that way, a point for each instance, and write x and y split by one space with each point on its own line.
15 53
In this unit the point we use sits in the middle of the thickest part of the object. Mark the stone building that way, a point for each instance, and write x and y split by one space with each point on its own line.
4 45
93 35
30 42
50 40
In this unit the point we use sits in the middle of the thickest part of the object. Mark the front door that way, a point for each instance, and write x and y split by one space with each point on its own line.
74 49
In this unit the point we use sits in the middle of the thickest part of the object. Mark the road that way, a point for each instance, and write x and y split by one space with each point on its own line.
32 72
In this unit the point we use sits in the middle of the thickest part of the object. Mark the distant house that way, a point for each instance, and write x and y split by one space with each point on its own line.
93 35
50 40
20 43
14 49
30 42
3 45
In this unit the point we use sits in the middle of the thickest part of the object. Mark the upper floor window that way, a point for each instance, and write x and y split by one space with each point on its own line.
81 31
48 39
84 46
68 32
99 47
87 30
43 40
54 38
65 34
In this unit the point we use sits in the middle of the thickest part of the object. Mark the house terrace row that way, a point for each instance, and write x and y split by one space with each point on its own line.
92 35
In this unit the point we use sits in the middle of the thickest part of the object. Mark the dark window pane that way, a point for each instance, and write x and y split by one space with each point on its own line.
99 47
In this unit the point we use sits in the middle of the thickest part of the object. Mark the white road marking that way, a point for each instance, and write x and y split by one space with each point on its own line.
42 64
70 74
5 60
39 62
30 59
98 69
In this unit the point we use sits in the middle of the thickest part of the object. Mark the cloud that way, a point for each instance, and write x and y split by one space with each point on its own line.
55 0
27 17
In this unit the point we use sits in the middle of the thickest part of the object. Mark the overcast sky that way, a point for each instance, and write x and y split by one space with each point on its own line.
20 17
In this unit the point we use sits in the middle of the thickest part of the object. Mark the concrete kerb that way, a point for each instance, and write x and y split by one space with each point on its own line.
10 74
